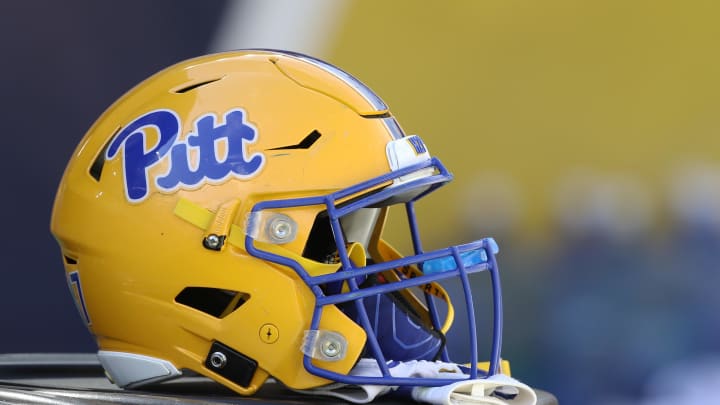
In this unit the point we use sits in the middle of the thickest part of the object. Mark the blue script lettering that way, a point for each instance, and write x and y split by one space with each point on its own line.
136 159
235 132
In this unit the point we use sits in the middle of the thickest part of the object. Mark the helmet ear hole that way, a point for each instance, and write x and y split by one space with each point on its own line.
216 302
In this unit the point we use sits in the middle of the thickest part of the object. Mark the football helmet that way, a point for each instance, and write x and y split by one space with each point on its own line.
226 216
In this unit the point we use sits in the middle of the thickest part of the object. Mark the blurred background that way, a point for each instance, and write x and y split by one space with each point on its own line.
583 136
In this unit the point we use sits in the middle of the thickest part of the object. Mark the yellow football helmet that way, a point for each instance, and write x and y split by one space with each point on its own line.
225 216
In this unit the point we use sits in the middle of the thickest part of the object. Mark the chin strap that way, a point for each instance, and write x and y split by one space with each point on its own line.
498 389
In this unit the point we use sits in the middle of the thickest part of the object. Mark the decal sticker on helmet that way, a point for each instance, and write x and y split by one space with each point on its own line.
140 153
417 144
77 293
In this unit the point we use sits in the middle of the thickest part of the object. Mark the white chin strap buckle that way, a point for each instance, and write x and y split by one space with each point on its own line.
495 390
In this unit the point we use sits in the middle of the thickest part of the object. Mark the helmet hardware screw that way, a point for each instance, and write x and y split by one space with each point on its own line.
281 229
331 348
213 242
218 359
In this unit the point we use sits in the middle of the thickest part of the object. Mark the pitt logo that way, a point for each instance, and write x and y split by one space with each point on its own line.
219 148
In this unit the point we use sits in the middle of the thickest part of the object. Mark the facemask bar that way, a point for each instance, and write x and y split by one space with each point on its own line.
350 272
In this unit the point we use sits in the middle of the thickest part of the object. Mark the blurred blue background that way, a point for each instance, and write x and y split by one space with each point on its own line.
583 137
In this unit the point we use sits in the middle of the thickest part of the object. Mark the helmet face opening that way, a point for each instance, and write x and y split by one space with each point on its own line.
375 286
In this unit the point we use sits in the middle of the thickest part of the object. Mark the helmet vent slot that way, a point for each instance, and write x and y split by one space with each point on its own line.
195 86
306 143
70 260
97 164
216 302
377 115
